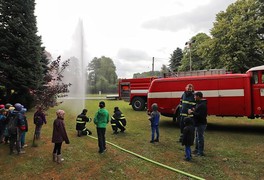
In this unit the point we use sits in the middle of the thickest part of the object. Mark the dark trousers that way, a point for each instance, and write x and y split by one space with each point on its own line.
14 140
57 148
101 138
38 131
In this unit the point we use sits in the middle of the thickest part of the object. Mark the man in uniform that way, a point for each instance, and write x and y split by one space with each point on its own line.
81 122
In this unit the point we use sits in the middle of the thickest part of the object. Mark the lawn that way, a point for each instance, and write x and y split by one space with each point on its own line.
234 149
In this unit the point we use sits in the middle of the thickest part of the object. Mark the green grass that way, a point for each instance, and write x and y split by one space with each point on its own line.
233 147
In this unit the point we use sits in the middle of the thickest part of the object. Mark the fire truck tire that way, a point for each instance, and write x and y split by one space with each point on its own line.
176 117
138 104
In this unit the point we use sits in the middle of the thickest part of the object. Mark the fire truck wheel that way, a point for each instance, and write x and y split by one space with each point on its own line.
138 104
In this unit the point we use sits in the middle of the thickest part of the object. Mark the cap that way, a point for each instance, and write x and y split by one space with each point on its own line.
199 94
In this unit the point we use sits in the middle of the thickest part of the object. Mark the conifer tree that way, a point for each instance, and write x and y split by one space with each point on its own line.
21 55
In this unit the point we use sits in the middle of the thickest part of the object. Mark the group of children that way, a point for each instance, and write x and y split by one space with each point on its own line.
14 126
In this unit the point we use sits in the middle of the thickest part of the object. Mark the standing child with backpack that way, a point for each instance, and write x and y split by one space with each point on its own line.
154 120
23 134
15 126
39 120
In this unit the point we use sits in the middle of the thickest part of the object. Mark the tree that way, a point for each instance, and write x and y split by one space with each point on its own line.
237 36
175 59
194 47
21 54
53 87
102 75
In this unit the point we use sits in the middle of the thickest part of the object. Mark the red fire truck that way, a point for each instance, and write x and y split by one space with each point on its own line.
135 91
226 94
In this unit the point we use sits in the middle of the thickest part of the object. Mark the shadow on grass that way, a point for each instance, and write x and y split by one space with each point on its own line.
239 128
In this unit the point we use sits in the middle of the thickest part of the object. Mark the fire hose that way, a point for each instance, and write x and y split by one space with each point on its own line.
152 161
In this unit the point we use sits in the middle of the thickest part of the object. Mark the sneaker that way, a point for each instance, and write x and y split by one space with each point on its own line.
199 154
187 159
151 141
156 140
21 152
25 145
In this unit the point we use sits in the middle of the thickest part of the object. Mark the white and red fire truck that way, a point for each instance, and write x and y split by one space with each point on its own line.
136 90
226 94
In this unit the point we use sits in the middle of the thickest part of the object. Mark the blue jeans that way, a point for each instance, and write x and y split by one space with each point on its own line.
188 153
199 138
154 129
23 137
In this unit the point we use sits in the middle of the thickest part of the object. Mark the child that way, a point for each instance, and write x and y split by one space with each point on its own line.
58 136
188 137
154 119
23 134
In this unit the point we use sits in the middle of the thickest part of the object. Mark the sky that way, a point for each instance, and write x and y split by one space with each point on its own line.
130 32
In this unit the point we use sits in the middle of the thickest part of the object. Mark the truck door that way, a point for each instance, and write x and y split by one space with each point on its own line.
258 92
125 91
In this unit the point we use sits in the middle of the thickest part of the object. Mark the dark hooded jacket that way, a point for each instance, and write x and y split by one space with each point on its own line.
200 113
188 132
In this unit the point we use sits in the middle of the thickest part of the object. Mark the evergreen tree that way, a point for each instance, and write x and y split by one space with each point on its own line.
21 55
175 59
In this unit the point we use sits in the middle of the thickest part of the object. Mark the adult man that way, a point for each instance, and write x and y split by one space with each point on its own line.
118 121
200 122
187 102
81 123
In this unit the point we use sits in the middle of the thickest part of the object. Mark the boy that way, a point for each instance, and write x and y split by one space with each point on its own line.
188 137
154 119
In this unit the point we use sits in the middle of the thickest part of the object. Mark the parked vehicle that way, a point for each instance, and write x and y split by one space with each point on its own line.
226 94
135 91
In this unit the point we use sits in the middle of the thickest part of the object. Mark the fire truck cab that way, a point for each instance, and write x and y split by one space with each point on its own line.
135 91
226 94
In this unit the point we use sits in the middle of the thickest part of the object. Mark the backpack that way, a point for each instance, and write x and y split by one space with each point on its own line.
12 124
37 120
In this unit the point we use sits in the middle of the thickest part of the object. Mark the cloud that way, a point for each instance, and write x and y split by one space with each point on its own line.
132 55
200 18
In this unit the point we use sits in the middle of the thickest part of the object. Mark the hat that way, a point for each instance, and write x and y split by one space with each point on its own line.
18 107
102 104
199 94
2 106
60 113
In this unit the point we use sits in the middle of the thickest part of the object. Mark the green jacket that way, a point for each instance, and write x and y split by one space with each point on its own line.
101 118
